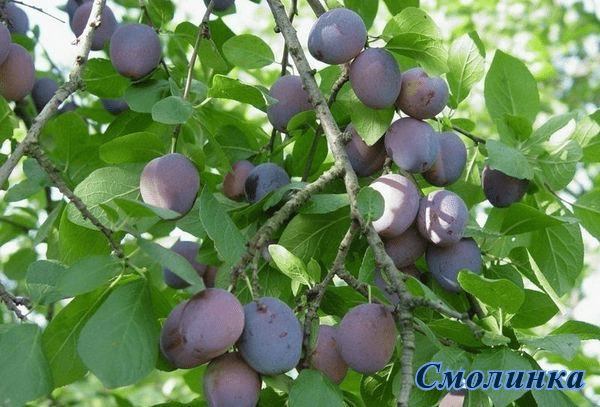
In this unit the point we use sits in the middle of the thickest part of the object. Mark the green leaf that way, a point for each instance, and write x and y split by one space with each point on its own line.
99 188
377 389
519 125
135 147
508 160
167 258
558 252
141 97
520 218
119 343
552 398
500 294
42 278
61 335
583 330
412 20
102 80
367 267
564 345
290 265
172 110
559 163
366 9
455 331
18 263
88 274
510 89
325 203
312 388
546 130
465 68
501 359
396 6
248 51
7 120
24 371
369 123
587 210
429 52
229 88
317 236
228 240
76 242
161 11
210 56
537 309
370 204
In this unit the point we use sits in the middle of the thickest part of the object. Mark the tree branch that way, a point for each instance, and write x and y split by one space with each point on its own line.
84 42
12 302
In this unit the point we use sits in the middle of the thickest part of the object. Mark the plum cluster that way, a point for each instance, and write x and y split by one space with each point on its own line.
253 182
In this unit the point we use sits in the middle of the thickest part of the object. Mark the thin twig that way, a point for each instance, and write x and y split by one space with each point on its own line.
12 302
38 9
316 6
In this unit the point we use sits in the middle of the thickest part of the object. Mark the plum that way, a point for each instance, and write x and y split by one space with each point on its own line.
272 339
42 92
234 181
401 204
366 337
337 36
189 250
264 178
17 20
210 323
325 356
412 144
420 96
172 344
103 33
115 106
210 276
135 50
405 248
17 73
4 43
364 159
500 189
220 5
449 162
291 100
442 217
171 182
445 262
72 6
230 382
375 78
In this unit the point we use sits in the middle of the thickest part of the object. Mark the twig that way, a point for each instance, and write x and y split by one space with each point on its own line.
477 140
337 86
38 9
12 302
316 6
84 43
36 152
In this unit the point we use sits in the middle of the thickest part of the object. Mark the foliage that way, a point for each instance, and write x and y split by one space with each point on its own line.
97 299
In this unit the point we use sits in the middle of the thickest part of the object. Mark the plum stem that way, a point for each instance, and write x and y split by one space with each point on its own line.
84 43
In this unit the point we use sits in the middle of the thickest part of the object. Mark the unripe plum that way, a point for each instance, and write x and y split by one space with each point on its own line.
364 159
337 36
135 50
210 323
500 189
326 358
220 5
4 43
442 217
264 178
449 162
189 250
445 262
170 182
412 144
292 99
422 97
17 73
103 32
405 248
115 106
230 382
17 20
42 92
272 339
366 338
375 78
401 204
234 181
